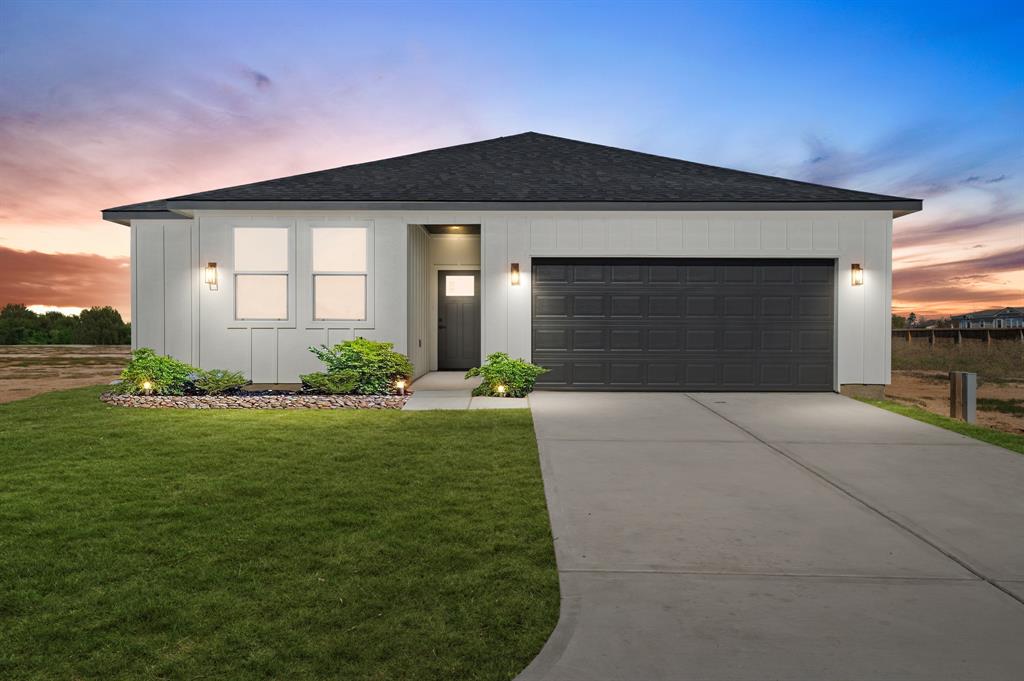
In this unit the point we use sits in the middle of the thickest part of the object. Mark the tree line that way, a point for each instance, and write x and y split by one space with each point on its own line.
95 326
912 321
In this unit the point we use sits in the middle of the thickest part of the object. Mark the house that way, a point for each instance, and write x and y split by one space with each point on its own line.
1004 318
616 270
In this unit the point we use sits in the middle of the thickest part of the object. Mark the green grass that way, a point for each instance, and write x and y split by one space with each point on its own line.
992 436
176 544
1011 406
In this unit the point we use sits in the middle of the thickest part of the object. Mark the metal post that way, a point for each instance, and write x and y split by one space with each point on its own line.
963 391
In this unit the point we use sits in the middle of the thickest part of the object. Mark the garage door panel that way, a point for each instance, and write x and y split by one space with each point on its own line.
684 324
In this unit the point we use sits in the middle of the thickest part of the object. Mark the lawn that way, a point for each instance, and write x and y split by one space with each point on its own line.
274 544
1010 441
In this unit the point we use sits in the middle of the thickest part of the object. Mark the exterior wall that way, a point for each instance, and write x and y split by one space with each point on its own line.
173 312
162 291
420 349
864 237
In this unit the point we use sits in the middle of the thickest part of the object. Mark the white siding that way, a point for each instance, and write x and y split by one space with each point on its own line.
420 351
161 287
174 312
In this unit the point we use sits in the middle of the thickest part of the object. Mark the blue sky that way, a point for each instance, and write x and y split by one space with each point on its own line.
109 103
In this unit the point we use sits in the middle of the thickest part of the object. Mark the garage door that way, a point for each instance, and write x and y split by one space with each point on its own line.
684 324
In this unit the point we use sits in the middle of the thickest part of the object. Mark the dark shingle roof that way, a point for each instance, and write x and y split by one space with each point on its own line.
535 169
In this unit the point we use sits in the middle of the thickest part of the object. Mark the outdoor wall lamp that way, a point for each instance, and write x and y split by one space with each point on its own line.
210 275
856 275
515 274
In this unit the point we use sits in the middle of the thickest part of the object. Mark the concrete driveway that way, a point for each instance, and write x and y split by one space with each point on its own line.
742 536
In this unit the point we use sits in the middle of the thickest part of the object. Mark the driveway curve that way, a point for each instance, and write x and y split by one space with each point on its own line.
741 536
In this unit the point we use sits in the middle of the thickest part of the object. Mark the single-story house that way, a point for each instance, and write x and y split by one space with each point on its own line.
616 270
1002 318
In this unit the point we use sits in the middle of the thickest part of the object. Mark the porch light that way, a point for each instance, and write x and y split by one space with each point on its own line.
515 274
500 389
856 275
210 275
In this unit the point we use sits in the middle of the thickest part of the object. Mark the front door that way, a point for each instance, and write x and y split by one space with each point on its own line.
458 319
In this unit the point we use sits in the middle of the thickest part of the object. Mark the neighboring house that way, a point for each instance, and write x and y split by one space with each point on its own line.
617 270
1004 318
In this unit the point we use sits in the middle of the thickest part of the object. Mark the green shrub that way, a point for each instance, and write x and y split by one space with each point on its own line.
342 382
166 375
377 366
516 375
217 381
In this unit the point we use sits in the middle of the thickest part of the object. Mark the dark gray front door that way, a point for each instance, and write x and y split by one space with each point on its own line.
458 319
684 324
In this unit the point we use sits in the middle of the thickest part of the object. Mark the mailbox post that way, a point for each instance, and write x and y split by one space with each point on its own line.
963 390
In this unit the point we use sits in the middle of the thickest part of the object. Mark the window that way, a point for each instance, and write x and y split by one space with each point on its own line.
339 273
261 273
458 285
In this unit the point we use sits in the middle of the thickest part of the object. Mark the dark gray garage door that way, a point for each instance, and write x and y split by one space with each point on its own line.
683 324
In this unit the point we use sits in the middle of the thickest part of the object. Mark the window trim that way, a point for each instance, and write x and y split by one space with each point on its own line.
308 274
288 273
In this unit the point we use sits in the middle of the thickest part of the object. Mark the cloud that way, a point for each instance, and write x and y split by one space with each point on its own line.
260 80
64 279
940 230
962 285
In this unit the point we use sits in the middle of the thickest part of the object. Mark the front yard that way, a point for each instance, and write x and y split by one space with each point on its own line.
282 544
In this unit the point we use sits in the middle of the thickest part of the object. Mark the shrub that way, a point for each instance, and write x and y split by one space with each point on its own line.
376 365
516 375
166 375
217 381
338 383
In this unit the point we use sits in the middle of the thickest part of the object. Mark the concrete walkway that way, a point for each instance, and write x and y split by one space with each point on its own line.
449 390
728 536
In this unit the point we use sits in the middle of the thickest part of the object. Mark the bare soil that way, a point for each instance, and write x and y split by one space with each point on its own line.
930 390
27 370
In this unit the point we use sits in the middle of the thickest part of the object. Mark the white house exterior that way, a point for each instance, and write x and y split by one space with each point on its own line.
611 293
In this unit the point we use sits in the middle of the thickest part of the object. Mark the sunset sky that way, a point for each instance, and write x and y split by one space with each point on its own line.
103 104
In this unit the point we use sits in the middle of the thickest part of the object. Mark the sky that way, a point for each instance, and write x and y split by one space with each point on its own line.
103 104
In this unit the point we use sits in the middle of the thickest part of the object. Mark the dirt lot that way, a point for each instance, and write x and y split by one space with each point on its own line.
930 390
27 370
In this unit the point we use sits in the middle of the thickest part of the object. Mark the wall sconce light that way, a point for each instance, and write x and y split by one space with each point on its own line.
856 275
210 275
515 274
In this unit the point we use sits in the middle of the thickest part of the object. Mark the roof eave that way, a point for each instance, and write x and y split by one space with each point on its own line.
899 207
125 217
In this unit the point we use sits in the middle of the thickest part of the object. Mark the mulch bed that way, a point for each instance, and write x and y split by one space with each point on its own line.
264 400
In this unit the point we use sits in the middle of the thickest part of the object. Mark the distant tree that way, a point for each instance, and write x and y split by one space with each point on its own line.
101 326
911 320
899 322
17 323
944 323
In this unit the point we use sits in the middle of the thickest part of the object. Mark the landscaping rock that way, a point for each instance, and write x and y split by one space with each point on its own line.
274 401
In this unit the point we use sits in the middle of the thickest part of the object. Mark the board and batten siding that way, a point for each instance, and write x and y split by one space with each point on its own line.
864 237
420 348
175 313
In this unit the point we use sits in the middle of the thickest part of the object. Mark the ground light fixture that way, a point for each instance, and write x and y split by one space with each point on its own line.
147 387
400 386
500 389
210 275
514 274
856 275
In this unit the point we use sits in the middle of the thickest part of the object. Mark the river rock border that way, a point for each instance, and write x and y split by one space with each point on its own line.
256 401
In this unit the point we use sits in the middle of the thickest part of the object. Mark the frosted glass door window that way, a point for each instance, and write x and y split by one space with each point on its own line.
458 285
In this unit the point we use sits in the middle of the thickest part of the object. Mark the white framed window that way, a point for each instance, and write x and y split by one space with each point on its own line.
340 268
261 273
